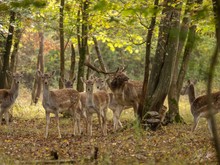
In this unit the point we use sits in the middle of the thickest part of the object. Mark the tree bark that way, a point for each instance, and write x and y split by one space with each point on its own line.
173 95
6 55
216 10
73 62
147 62
162 71
36 91
18 34
83 45
62 49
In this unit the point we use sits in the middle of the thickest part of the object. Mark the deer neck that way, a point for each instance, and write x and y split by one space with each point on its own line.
90 99
14 89
191 94
46 93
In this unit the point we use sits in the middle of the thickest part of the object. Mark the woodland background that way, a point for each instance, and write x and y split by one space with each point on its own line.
161 43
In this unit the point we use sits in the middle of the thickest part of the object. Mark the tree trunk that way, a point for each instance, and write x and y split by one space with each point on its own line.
62 49
36 91
177 81
83 45
73 62
162 71
147 62
18 34
6 55
216 10
173 95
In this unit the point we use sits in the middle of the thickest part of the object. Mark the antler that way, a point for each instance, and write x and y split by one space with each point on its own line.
87 63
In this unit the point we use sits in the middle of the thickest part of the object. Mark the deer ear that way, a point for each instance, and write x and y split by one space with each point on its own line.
194 82
82 79
53 73
22 73
74 78
189 82
39 73
9 73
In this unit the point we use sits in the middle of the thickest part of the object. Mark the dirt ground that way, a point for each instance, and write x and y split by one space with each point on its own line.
24 142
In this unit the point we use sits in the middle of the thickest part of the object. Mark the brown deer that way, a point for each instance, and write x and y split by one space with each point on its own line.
127 93
9 96
101 84
95 102
199 105
80 111
56 101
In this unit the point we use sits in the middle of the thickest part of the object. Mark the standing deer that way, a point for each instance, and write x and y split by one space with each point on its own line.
95 102
199 105
127 93
59 100
81 110
116 108
8 96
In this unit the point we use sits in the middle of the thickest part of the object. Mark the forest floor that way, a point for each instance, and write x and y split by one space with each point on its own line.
23 141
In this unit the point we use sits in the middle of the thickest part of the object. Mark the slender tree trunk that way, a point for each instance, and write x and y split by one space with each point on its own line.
173 95
177 81
6 55
18 34
83 44
40 66
73 62
147 62
62 49
162 71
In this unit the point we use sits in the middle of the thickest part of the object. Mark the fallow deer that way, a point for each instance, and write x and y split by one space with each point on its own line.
9 96
95 102
116 108
199 105
56 101
127 93
80 111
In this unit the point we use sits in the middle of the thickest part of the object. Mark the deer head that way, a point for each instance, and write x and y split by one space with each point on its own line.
15 76
89 84
46 76
119 78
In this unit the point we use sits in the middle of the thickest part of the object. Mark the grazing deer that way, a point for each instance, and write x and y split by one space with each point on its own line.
199 105
8 96
127 93
116 108
95 102
57 101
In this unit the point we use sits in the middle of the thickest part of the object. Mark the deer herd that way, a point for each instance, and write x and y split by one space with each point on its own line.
116 93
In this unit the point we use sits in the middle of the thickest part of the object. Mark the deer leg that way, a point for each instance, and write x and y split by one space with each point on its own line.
7 117
89 124
58 124
196 120
118 116
1 114
47 123
78 124
210 126
135 106
104 119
